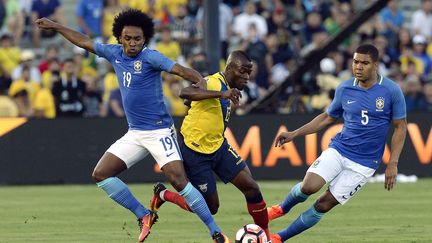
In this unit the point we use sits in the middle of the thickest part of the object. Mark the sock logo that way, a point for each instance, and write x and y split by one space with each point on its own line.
203 187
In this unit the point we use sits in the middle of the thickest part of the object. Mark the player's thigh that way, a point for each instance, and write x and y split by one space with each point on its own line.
109 165
327 166
245 183
128 149
162 145
346 185
198 170
227 163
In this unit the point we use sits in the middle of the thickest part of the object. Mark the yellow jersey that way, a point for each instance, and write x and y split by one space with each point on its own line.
204 126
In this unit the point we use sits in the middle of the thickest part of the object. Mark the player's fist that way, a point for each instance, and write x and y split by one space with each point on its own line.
284 137
45 23
233 95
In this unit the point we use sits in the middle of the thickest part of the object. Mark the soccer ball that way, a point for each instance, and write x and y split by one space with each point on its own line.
251 233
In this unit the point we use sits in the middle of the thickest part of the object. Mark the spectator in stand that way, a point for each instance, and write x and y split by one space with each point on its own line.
21 98
427 89
327 81
184 31
25 82
419 52
92 99
115 104
318 39
336 22
89 17
256 49
8 107
422 20
167 46
312 25
171 90
225 23
52 51
2 13
5 79
110 10
404 42
51 9
69 92
14 20
27 60
249 17
44 104
414 97
50 75
10 55
392 19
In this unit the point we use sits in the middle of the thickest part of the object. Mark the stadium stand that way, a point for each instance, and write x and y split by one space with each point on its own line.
278 34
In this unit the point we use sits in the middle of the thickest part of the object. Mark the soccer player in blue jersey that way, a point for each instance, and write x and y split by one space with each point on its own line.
204 147
368 104
151 129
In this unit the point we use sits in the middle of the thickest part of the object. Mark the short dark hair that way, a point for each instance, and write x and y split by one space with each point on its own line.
368 49
240 55
133 17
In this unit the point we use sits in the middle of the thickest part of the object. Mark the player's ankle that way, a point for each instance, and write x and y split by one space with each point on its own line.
162 194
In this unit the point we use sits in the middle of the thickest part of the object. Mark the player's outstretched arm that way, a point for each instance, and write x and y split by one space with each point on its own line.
319 122
187 73
73 36
199 92
398 140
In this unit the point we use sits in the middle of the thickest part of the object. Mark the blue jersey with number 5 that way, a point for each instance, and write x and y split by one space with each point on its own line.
367 114
140 82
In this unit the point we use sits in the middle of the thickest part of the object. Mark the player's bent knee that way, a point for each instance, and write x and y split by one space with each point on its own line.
309 189
214 208
98 175
325 204
178 181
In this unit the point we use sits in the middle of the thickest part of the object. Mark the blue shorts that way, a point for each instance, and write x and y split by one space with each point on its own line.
225 162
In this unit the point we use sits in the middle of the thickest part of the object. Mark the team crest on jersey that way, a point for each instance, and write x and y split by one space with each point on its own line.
203 187
379 103
137 66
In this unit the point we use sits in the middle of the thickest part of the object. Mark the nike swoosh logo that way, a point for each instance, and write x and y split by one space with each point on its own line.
117 61
350 101
168 155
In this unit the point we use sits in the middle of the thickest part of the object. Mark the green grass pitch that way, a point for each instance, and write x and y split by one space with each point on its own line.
83 213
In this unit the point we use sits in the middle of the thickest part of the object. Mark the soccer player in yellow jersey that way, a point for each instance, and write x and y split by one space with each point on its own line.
204 147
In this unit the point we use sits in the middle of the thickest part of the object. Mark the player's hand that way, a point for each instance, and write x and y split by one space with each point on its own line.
284 137
233 95
390 175
45 23
201 84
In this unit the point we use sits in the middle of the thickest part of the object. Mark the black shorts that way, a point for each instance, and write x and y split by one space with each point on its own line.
225 162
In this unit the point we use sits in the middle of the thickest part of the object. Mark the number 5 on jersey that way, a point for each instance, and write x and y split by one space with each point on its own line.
127 78
365 117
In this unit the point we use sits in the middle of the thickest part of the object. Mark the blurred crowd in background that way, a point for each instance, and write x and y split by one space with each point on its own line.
44 76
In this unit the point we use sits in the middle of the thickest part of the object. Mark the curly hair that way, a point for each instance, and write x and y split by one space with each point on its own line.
133 17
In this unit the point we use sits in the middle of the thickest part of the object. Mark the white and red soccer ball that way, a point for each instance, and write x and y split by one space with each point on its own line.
251 233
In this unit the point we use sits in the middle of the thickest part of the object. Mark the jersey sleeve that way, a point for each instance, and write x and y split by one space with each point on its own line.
213 84
104 50
80 9
398 103
159 61
335 109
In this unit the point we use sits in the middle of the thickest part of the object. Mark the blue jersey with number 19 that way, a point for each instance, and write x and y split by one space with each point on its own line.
140 83
367 114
